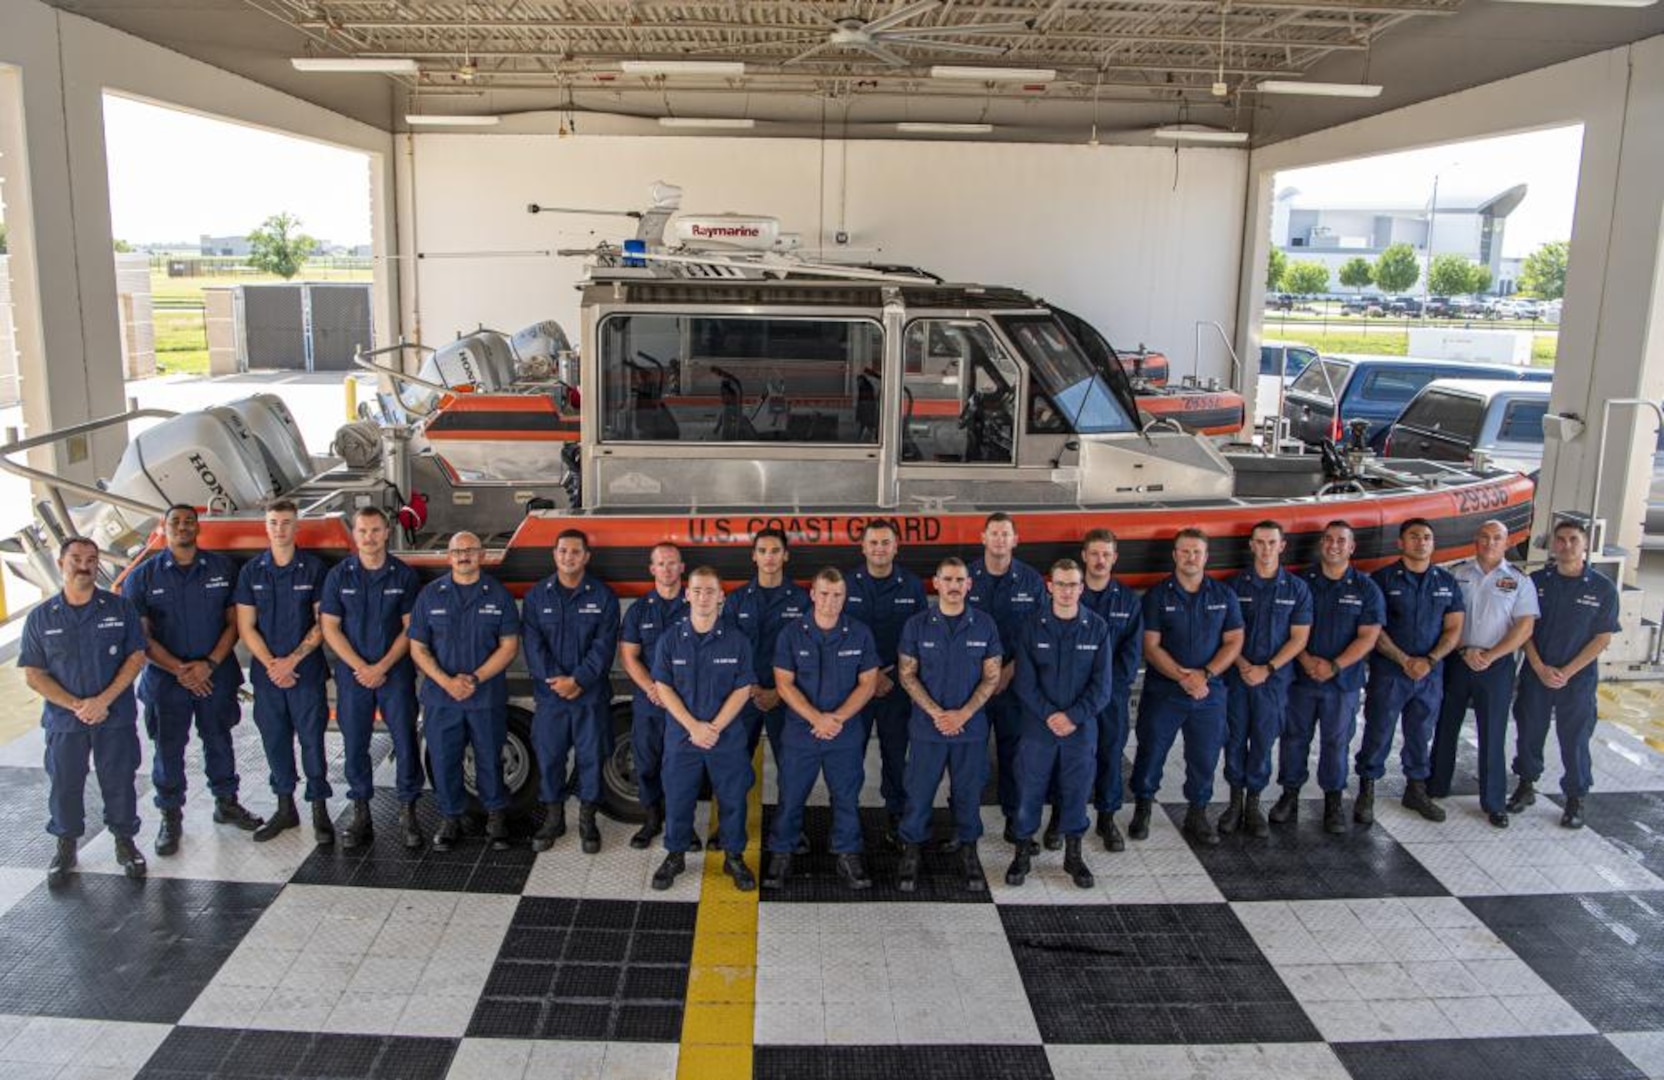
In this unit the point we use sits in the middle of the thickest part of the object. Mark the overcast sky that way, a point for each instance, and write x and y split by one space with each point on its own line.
175 175
1545 161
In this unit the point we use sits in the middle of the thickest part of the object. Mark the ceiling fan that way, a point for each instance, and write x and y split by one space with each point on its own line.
875 37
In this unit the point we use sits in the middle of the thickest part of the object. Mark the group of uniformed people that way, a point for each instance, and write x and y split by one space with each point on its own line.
1238 667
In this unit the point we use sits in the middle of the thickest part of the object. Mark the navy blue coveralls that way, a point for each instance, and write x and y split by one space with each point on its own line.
885 604
1123 609
462 625
704 669
1271 608
950 651
645 621
186 608
1062 666
1192 627
1010 598
284 599
1575 609
1416 605
760 614
1340 609
372 607
82 648
571 632
825 667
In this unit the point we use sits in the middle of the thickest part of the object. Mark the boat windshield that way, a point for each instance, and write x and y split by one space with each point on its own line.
1065 376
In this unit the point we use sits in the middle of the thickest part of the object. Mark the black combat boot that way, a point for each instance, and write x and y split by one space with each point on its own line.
643 838
130 859
1417 799
1074 865
1287 810
228 811
407 823
665 876
1334 813
971 863
1052 838
1196 824
323 828
284 817
1524 795
588 832
1140 827
63 861
1111 833
1021 864
1231 820
1253 818
450 832
496 829
167 837
907 870
779 870
1363 807
361 830
852 871
553 827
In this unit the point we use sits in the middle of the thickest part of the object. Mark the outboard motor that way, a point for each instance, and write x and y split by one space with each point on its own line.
545 352
483 361
282 446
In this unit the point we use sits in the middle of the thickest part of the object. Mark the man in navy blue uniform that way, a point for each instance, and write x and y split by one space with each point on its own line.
1501 609
1192 635
464 632
760 609
277 599
704 670
1063 680
1009 590
1347 613
184 596
1580 615
1123 609
81 651
1277 619
884 595
365 614
645 622
1406 672
948 662
569 629
825 667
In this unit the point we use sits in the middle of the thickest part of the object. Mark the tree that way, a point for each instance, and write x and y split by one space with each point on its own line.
2 237
278 247
1275 267
1397 268
1307 278
1355 273
1454 275
123 247
1544 273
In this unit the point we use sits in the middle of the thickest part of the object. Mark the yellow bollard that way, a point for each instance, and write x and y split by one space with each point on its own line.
352 397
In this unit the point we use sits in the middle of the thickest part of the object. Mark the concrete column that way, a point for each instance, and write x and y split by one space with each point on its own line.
1612 333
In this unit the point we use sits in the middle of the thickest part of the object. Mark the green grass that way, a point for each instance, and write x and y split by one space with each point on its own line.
1544 347
182 289
181 341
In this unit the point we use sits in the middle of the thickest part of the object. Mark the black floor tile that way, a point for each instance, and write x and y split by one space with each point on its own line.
1602 952
230 1054
815 879
913 1062
1542 1057
471 866
1302 862
590 969
24 841
106 948
1632 821
1149 973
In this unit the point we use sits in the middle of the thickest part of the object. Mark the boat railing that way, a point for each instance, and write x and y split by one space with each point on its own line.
363 359
57 485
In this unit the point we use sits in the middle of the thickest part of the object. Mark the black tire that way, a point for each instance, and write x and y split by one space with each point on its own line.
620 799
519 767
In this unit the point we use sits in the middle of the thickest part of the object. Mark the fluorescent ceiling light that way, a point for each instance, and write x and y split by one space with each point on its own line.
439 120
1590 3
1196 133
1319 89
681 67
706 122
945 129
361 65
993 74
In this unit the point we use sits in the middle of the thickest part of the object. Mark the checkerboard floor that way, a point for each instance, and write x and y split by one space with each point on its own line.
1407 950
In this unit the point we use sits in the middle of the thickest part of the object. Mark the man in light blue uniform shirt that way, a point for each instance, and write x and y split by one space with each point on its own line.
365 614
1123 609
1277 620
948 662
569 630
1502 609
1009 590
1406 671
184 596
81 651
645 621
1063 680
1192 635
1579 617
884 595
277 618
825 666
464 633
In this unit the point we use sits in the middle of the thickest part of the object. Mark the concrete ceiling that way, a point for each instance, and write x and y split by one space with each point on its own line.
815 66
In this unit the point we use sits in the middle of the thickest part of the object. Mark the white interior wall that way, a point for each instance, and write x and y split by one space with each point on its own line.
58 67
1142 242
1612 332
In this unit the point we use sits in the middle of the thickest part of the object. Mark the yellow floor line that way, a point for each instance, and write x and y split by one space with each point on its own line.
718 1024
